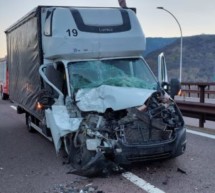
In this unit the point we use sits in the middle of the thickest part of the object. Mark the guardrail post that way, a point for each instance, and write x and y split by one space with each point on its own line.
202 100
189 89
208 90
202 93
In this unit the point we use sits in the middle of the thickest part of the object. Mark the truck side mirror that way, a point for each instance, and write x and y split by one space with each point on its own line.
162 73
175 87
45 100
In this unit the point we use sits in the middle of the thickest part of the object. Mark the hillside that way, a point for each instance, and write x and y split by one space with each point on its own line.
198 58
153 44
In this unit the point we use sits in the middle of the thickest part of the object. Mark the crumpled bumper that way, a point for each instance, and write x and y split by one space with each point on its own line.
152 151
100 165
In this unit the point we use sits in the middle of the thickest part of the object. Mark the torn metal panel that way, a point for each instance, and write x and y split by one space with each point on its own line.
101 98
60 123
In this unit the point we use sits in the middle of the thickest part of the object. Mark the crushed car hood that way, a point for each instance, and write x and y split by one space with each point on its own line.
103 97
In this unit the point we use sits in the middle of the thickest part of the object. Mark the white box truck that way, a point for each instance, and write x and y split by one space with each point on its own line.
79 76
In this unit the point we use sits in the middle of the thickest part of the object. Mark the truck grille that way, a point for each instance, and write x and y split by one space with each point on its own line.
143 135
136 158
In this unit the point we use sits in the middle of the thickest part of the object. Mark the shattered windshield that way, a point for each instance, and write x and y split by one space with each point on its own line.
133 73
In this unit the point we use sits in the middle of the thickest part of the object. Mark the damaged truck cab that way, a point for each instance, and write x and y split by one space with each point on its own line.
83 83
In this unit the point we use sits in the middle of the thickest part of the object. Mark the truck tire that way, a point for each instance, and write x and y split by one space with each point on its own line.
6 96
3 95
85 162
79 156
29 120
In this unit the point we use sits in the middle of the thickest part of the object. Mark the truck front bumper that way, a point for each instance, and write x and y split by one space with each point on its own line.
152 151
133 153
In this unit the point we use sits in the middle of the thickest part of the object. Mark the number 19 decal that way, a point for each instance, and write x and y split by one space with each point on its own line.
72 32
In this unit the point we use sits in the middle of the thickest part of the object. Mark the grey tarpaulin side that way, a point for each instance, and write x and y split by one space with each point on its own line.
24 58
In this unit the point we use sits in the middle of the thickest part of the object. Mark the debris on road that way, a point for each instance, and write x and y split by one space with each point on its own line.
166 180
181 171
73 188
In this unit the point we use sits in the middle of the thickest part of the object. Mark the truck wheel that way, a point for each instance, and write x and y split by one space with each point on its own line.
29 120
3 95
79 155
85 162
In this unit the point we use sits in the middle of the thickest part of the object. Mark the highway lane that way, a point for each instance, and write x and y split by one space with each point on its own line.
28 163
192 172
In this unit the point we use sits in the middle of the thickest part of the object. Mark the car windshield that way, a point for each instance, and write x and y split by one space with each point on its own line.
133 73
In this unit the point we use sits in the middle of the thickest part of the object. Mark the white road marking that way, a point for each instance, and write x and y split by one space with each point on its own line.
201 134
141 183
13 107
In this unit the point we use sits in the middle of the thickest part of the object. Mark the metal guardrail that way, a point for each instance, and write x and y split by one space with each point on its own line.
199 88
201 110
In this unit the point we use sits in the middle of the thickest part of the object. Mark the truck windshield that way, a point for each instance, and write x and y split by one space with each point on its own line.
115 72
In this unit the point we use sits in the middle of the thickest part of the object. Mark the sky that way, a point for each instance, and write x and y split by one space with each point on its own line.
195 16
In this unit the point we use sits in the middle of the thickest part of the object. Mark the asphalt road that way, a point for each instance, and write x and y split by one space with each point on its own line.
29 164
